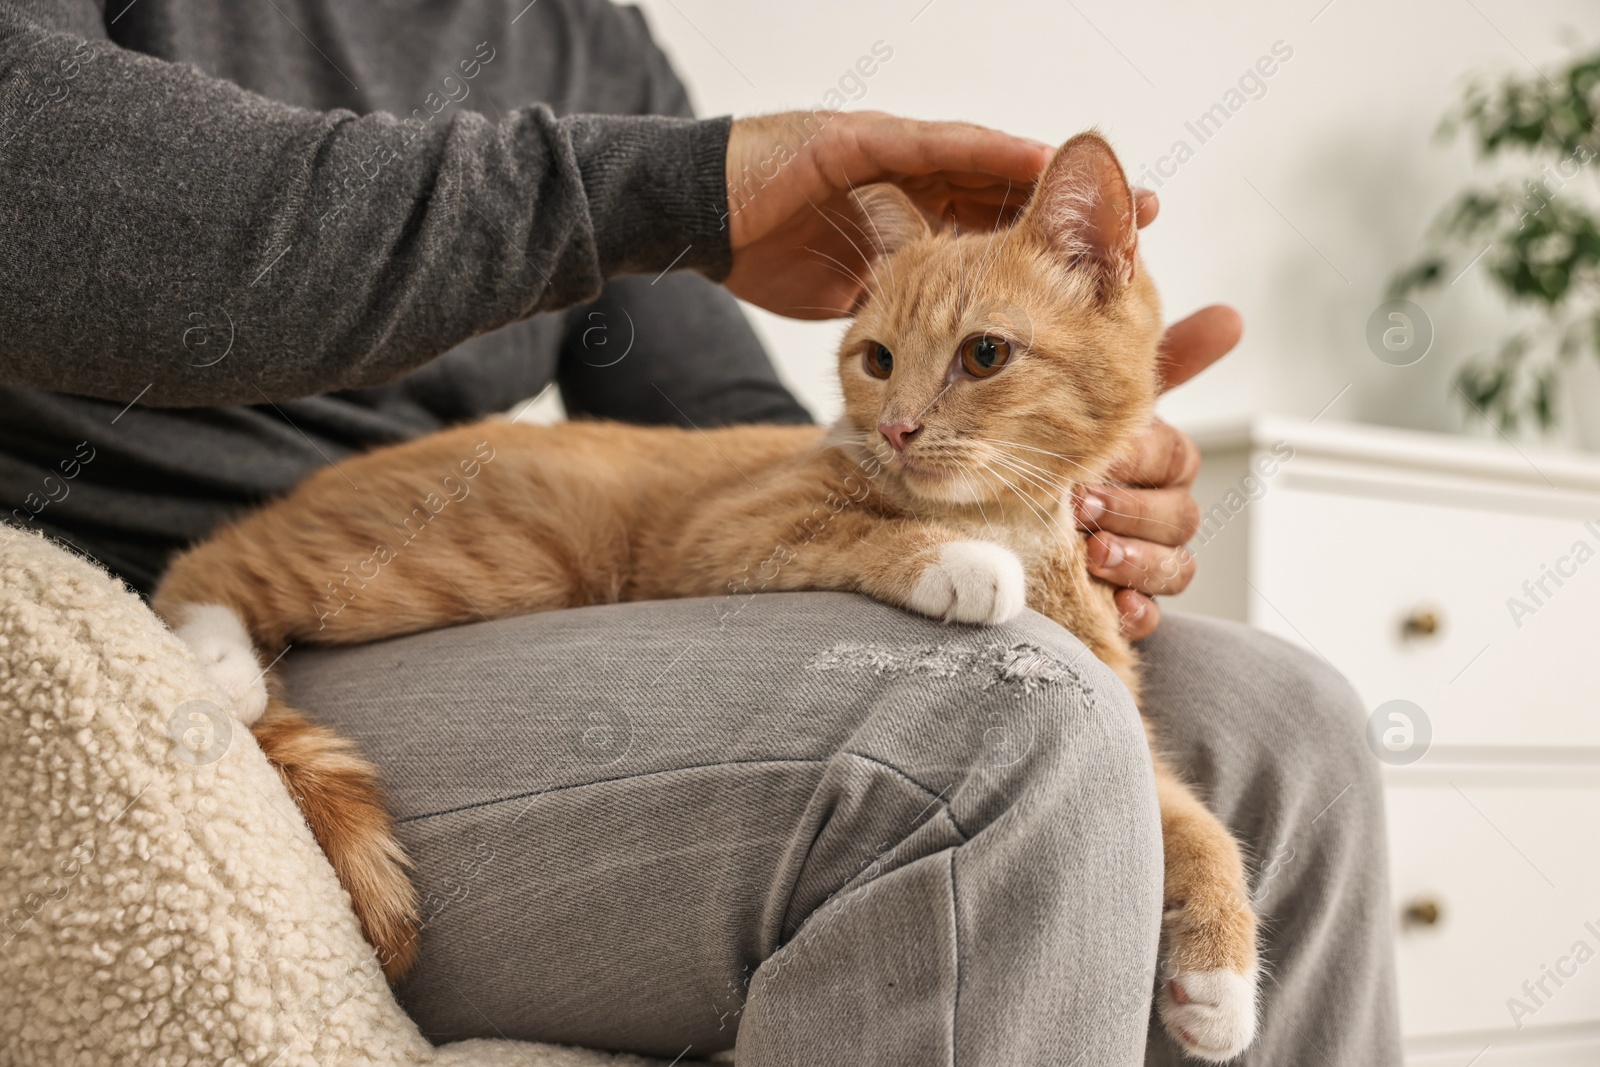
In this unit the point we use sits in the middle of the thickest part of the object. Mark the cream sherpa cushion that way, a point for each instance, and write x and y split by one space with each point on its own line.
162 910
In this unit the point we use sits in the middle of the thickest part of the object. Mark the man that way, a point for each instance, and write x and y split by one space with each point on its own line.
243 240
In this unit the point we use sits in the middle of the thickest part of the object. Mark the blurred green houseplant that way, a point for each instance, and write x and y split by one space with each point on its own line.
1539 239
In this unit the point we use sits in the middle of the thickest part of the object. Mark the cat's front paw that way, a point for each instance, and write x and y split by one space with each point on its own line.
223 646
972 581
1212 1014
1210 1010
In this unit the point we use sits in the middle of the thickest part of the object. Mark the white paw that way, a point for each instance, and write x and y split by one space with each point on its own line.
1212 1014
227 655
972 581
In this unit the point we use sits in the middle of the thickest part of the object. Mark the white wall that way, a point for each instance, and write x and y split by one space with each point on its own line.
1341 143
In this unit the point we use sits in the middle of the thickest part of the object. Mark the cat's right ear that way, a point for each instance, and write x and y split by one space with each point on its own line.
890 219
1084 210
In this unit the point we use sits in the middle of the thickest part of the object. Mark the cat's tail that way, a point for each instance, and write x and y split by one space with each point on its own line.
338 792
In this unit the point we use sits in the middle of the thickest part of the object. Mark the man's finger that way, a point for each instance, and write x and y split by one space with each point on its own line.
1146 206
1144 566
872 145
1193 344
1162 457
1140 614
1165 516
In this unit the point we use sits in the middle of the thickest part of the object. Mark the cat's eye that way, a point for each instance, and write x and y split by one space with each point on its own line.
981 356
880 361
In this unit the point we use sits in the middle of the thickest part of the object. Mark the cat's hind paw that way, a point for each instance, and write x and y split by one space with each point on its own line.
220 642
972 581
1212 1014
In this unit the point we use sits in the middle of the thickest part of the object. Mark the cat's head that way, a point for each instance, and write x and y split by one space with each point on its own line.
1025 357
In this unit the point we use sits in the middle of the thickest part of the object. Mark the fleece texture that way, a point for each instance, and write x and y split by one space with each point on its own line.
164 902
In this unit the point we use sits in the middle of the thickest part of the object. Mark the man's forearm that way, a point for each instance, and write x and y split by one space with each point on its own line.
158 218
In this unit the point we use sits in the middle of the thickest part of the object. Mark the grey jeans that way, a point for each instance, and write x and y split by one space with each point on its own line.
835 833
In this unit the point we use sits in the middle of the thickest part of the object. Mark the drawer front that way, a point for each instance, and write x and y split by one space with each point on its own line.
1508 866
1342 574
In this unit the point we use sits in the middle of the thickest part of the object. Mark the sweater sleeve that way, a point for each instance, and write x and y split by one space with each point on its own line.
174 236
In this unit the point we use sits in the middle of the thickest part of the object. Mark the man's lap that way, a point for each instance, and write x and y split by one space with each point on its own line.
671 761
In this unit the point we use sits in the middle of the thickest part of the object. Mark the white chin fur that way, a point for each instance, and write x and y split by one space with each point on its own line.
972 581
220 642
1218 1020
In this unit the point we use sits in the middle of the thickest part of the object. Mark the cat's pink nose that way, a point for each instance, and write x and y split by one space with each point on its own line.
899 434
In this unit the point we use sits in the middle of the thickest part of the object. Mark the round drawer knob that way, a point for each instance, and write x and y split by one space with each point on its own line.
1422 912
1422 622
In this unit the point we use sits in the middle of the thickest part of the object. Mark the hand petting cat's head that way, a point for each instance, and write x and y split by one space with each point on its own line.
980 364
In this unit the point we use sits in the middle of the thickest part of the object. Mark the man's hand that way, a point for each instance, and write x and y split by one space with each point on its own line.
797 249
1142 521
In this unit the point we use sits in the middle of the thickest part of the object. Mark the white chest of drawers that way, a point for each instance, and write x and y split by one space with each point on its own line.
1462 576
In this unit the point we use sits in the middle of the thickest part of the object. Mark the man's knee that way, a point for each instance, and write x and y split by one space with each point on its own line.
1212 685
1011 744
1015 702
1273 734
984 719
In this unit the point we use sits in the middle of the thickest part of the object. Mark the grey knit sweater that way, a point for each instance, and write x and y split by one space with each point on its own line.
241 238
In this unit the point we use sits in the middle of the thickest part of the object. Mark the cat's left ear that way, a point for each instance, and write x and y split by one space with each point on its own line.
890 219
1084 210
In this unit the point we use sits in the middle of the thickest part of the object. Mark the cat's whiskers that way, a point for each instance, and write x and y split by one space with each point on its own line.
961 272
832 312
841 268
1068 484
864 257
1060 483
987 264
999 500
956 455
1048 520
1055 484
1027 448
888 261
1140 518
1035 487
937 397
846 274
1066 487
1052 490
1107 509
977 497
1043 451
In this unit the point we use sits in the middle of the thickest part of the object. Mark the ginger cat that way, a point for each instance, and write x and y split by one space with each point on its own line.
984 376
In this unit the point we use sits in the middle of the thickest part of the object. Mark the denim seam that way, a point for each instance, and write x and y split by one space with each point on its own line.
604 781
955 945
944 806
940 797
